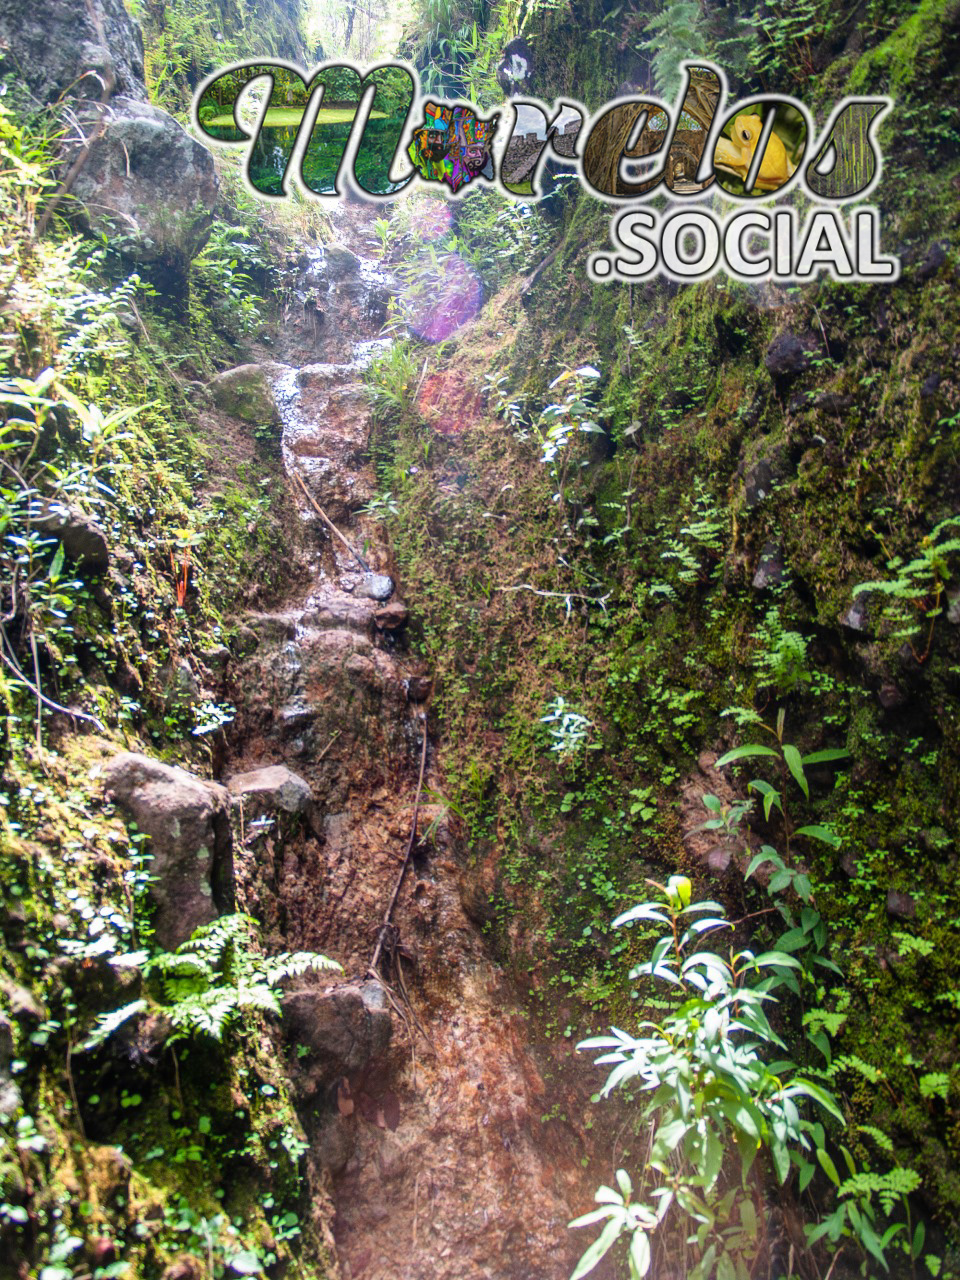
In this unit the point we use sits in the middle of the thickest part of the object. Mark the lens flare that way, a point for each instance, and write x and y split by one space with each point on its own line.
445 297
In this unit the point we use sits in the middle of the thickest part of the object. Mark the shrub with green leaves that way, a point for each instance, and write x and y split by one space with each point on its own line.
728 1112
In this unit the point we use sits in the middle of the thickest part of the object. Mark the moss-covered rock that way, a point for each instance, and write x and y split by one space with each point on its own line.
247 392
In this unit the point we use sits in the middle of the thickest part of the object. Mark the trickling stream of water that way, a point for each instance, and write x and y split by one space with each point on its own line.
441 1164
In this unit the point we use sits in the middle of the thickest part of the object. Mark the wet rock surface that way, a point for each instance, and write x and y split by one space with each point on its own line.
342 1030
410 1101
59 45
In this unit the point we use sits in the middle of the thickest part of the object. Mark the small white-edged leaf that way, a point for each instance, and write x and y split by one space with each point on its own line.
639 1254
599 1247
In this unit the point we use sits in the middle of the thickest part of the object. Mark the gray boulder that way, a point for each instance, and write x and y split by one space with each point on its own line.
758 483
82 538
376 586
901 906
789 355
342 1029
857 617
9 1093
187 820
145 182
61 45
771 568
148 185
274 789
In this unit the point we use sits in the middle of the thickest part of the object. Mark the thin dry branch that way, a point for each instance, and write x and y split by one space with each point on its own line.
406 858
329 523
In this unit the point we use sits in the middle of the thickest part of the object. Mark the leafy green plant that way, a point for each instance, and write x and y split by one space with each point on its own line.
212 979
783 39
790 765
221 270
211 716
673 35
716 1100
699 541
36 489
781 654
570 729
914 594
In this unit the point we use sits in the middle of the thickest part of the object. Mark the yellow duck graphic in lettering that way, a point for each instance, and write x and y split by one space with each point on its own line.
736 155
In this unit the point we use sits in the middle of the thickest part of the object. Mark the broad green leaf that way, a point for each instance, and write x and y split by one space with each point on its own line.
245 1263
771 796
670 1134
713 1159
599 1247
792 756
792 940
56 565
919 1236
758 860
871 1242
802 887
639 1255
645 911
705 904
891 1231
769 958
744 753
725 1268
817 831
588 1219
828 1167
818 1094
824 757
748 1217
781 1160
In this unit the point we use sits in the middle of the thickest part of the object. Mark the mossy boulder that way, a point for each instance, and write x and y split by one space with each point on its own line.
137 175
247 392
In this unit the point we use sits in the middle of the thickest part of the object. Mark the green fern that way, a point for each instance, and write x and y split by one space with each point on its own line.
107 1024
213 977
211 980
914 595
673 36
889 1187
